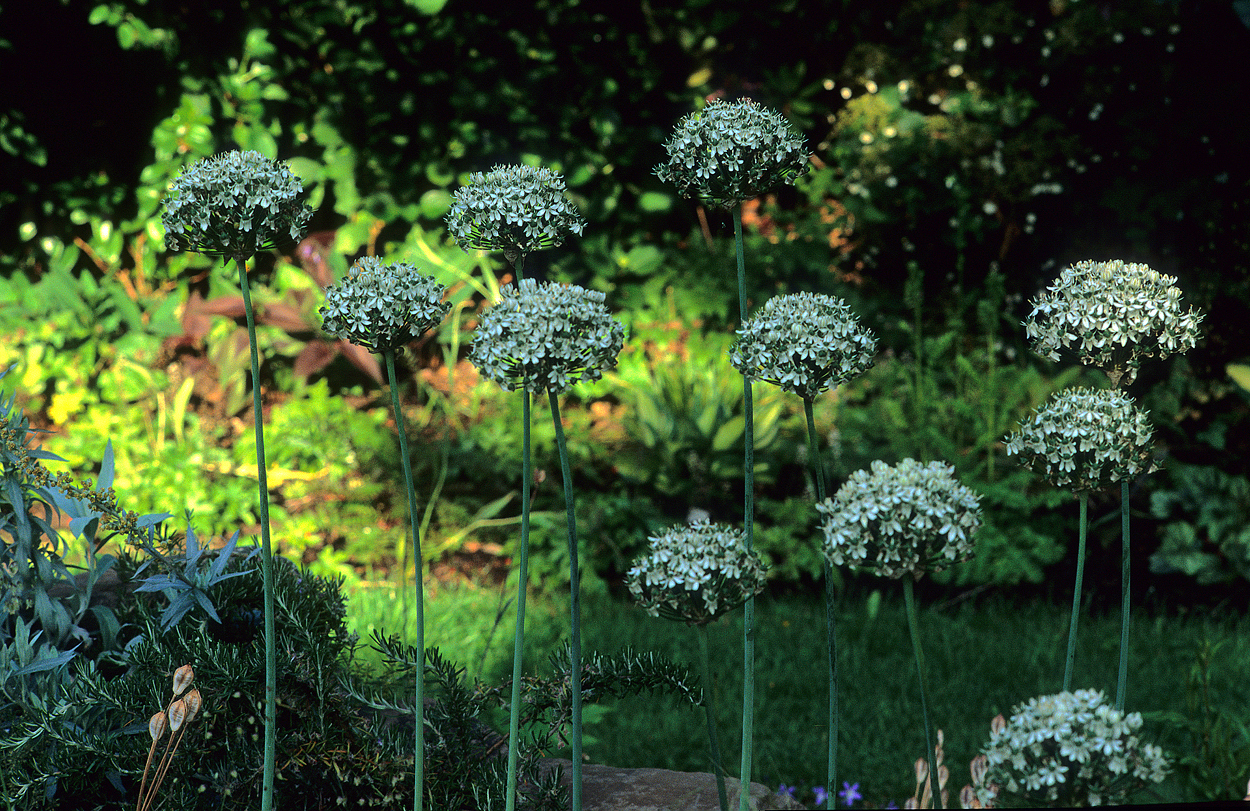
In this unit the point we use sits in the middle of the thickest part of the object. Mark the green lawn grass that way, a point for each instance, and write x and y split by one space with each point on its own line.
984 657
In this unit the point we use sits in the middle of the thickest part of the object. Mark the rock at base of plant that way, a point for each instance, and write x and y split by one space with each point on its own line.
605 788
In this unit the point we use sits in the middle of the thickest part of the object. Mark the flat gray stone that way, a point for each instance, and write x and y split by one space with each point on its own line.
605 788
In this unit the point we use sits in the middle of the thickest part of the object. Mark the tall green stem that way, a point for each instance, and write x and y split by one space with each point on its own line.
518 643
709 709
748 520
831 628
266 558
419 761
1122 681
575 646
913 626
1076 595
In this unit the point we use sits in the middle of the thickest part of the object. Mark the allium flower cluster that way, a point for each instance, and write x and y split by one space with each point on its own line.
696 573
1084 439
1112 314
1067 750
732 151
546 337
514 209
903 519
803 343
383 307
234 204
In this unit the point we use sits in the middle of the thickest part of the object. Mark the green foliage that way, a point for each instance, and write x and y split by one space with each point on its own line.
1218 752
684 420
1205 523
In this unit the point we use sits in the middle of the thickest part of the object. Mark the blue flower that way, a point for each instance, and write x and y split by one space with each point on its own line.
850 793
785 791
821 794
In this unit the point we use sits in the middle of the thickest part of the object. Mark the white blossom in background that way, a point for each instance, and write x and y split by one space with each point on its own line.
546 337
1084 439
1111 315
732 151
1067 750
381 307
696 573
804 343
903 519
513 209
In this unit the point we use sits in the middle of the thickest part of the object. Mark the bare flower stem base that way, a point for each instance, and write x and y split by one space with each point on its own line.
575 645
514 715
709 709
1076 593
913 626
266 559
1122 680
748 515
831 628
418 776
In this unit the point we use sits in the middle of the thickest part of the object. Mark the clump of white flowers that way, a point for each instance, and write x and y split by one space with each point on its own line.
234 204
1067 750
546 337
900 519
804 343
1084 439
383 307
732 151
513 209
1111 315
696 573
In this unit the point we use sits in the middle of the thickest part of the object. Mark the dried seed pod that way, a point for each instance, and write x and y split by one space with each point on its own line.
922 770
177 714
979 767
156 726
193 701
183 677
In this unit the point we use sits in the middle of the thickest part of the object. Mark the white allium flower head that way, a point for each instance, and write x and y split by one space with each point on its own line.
513 209
732 151
1111 315
546 337
1066 750
1084 439
804 343
381 306
234 204
696 573
900 519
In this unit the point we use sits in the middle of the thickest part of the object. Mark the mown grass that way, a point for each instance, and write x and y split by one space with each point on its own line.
984 657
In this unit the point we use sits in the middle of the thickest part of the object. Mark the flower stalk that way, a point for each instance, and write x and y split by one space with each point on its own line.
235 205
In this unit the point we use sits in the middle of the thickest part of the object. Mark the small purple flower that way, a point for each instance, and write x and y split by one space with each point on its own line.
850 794
785 791
821 795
